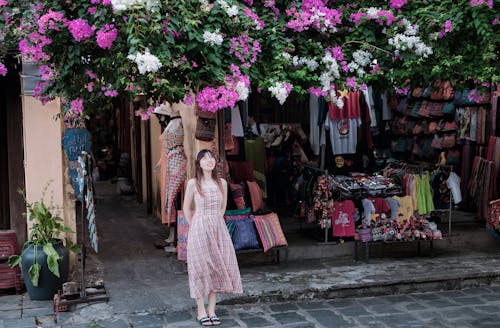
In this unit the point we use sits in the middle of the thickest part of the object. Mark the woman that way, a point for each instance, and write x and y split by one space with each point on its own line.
212 264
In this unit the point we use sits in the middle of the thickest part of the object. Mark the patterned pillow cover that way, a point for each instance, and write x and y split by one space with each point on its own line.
244 235
270 232
238 193
255 196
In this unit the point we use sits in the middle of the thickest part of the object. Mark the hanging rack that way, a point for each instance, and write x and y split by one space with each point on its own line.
324 173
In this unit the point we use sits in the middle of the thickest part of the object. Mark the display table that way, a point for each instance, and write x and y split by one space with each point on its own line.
367 246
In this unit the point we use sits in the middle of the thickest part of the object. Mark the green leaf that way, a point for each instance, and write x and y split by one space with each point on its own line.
34 273
52 257
14 260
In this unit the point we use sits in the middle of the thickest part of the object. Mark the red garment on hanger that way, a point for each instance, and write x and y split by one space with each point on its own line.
351 107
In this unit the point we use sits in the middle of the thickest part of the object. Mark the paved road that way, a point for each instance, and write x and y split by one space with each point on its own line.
475 307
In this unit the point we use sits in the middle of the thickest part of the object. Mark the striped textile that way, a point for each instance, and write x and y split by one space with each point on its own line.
211 260
270 232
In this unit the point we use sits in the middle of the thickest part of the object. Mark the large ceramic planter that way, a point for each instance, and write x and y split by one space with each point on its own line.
48 283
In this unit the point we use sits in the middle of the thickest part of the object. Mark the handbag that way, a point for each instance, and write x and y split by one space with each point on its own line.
437 91
449 140
448 92
494 214
205 129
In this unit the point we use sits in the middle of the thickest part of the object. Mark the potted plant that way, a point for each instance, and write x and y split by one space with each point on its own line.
44 258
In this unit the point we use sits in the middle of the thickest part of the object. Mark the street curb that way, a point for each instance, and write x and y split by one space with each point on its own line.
393 287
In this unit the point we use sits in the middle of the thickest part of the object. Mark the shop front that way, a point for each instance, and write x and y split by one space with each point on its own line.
381 169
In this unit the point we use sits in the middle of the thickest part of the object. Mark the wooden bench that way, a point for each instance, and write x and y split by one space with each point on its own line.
367 246
261 250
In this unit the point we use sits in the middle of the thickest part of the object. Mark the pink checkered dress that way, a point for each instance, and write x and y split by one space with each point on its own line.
212 264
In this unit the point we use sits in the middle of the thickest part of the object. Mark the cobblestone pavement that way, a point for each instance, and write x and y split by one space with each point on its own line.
475 307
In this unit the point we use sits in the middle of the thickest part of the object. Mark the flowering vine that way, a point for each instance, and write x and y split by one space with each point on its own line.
91 52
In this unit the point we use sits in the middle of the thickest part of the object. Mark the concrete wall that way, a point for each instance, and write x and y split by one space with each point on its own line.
44 160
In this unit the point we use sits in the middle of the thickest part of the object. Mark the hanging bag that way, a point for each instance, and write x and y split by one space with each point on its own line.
205 125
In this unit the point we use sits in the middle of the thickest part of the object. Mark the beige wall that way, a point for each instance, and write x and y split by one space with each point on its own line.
44 160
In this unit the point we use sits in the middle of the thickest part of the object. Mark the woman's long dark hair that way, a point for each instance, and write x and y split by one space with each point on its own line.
199 171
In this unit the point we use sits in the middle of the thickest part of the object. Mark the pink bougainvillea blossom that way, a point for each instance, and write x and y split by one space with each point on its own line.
387 15
92 10
357 17
3 69
259 23
351 82
89 86
48 21
495 21
31 48
47 73
314 14
488 3
397 4
80 29
241 48
403 91
106 36
90 74
3 3
446 28
212 99
337 53
317 91
145 114
77 105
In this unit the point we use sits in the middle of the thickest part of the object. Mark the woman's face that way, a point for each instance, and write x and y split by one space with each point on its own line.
207 162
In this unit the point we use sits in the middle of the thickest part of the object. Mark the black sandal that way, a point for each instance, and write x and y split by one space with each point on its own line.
215 320
205 321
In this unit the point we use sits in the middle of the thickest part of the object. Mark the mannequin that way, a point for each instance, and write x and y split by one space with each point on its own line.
175 171
172 165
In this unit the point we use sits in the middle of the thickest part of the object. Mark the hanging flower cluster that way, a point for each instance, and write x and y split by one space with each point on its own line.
91 52
146 62
280 90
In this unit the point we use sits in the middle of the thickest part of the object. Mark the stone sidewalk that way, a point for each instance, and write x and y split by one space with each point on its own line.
143 281
307 280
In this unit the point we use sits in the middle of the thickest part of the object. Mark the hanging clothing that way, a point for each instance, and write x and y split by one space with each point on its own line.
211 260
313 123
343 134
236 124
453 183
424 195
351 108
386 111
368 94
176 166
